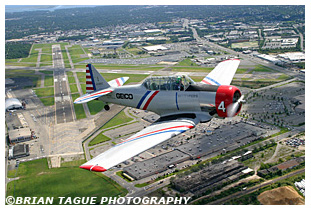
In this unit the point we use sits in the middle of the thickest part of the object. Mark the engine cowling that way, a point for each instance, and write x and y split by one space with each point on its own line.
226 95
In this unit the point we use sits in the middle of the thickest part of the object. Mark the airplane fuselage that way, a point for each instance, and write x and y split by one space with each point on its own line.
162 102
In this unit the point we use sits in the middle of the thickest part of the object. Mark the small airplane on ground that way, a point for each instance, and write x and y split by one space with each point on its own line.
180 102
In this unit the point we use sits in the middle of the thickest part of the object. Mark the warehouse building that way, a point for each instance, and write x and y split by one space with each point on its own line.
209 177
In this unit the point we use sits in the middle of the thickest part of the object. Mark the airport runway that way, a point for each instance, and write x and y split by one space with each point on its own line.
63 104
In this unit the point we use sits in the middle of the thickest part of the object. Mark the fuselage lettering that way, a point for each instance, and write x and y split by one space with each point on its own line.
124 96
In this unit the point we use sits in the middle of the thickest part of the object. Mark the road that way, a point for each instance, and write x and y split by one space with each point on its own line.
63 103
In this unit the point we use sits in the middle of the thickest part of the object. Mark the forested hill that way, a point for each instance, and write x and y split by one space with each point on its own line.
20 24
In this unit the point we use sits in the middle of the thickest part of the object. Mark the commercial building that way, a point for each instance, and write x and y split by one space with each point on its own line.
155 48
293 57
140 170
229 137
19 135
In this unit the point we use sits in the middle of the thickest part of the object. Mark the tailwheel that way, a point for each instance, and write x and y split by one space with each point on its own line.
107 107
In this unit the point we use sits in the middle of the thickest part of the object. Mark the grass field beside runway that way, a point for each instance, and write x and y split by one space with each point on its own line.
46 95
95 106
43 92
47 101
117 120
48 80
76 52
73 88
79 110
100 138
37 180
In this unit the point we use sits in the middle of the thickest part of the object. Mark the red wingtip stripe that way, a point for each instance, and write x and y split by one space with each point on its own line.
93 168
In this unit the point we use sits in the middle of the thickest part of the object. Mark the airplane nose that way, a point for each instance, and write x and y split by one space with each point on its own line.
93 168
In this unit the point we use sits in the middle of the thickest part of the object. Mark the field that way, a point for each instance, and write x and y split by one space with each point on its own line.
73 88
95 106
244 44
117 120
46 95
37 180
99 139
43 92
80 114
76 52
48 81
47 101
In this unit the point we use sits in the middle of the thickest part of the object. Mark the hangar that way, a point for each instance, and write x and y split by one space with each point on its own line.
13 103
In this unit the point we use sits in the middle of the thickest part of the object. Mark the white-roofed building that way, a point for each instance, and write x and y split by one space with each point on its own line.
155 48
13 103
293 56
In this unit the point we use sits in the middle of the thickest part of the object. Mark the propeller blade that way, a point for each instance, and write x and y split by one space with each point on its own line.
233 108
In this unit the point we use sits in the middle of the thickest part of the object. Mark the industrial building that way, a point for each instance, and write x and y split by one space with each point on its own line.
209 177
282 166
140 170
18 151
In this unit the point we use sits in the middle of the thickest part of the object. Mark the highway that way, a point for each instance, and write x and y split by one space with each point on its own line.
63 103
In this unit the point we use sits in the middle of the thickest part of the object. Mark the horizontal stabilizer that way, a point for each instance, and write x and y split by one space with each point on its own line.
91 96
118 82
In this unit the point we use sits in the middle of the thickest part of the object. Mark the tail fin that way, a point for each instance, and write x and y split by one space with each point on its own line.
94 80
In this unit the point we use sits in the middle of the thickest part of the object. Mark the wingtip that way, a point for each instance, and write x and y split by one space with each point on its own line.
93 168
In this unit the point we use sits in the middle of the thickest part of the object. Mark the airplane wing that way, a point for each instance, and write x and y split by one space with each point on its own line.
141 141
118 82
223 73
91 96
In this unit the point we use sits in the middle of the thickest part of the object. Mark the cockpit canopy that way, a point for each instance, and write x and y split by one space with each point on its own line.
181 82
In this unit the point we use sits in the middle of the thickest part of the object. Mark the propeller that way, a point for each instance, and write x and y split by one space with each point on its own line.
233 108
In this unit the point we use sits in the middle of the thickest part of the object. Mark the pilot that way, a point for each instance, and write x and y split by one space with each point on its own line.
180 83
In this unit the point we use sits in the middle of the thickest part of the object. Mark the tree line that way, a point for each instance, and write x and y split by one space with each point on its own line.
16 50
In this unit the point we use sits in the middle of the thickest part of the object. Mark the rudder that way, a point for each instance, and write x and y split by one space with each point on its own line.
94 80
